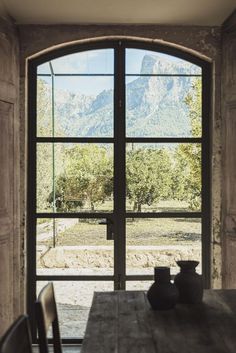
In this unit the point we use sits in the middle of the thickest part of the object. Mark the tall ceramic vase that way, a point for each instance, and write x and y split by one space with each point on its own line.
162 294
189 283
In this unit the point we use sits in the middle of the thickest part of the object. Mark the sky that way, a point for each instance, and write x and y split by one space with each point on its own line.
99 61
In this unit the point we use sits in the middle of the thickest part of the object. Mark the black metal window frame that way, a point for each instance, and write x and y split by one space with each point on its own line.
119 276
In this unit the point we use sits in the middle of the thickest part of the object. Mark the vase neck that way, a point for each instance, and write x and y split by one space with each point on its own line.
187 265
162 280
189 270
162 274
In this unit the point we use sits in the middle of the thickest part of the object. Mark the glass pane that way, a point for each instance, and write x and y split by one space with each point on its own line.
163 177
140 61
44 179
161 242
82 105
87 107
163 106
77 107
74 300
100 61
73 246
44 107
44 69
74 177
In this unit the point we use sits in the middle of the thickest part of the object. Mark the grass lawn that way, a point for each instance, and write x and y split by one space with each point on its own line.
149 231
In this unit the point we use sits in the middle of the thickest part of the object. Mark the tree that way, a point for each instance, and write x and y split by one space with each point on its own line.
87 177
187 179
148 176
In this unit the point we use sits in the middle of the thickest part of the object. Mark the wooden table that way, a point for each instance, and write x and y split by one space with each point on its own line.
123 322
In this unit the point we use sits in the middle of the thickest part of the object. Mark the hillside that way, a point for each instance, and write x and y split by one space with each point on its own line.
155 106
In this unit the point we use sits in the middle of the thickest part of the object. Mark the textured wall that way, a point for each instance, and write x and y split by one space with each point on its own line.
201 41
10 267
229 148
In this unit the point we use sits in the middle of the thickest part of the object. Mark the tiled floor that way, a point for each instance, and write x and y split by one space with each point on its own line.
66 349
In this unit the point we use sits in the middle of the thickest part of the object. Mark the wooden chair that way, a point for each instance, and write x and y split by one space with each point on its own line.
17 338
46 317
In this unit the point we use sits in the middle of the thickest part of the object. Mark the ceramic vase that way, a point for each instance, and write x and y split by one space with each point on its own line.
162 294
189 283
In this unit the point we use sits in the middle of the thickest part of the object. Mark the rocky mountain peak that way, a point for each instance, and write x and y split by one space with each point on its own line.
148 64
155 106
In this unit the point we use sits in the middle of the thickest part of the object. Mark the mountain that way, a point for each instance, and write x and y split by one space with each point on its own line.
155 106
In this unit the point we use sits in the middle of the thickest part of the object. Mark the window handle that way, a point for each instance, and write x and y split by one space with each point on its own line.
110 228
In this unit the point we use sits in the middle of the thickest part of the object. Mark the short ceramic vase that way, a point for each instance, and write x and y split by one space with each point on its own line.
162 294
189 283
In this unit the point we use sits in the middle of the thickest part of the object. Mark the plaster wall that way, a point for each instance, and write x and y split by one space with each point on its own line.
229 157
10 240
204 42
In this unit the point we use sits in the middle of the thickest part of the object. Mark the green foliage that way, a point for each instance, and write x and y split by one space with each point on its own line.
148 176
194 103
187 180
87 177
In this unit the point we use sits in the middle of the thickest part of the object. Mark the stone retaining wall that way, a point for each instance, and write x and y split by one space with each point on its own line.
102 256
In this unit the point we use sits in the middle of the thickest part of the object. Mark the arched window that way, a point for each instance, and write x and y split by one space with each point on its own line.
119 170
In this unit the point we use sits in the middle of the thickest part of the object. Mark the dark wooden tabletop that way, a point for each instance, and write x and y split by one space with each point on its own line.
123 322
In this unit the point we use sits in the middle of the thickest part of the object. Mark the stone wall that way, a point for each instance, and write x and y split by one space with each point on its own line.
10 247
86 258
229 147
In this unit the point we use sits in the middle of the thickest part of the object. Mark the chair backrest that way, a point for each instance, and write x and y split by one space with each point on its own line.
18 337
46 317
